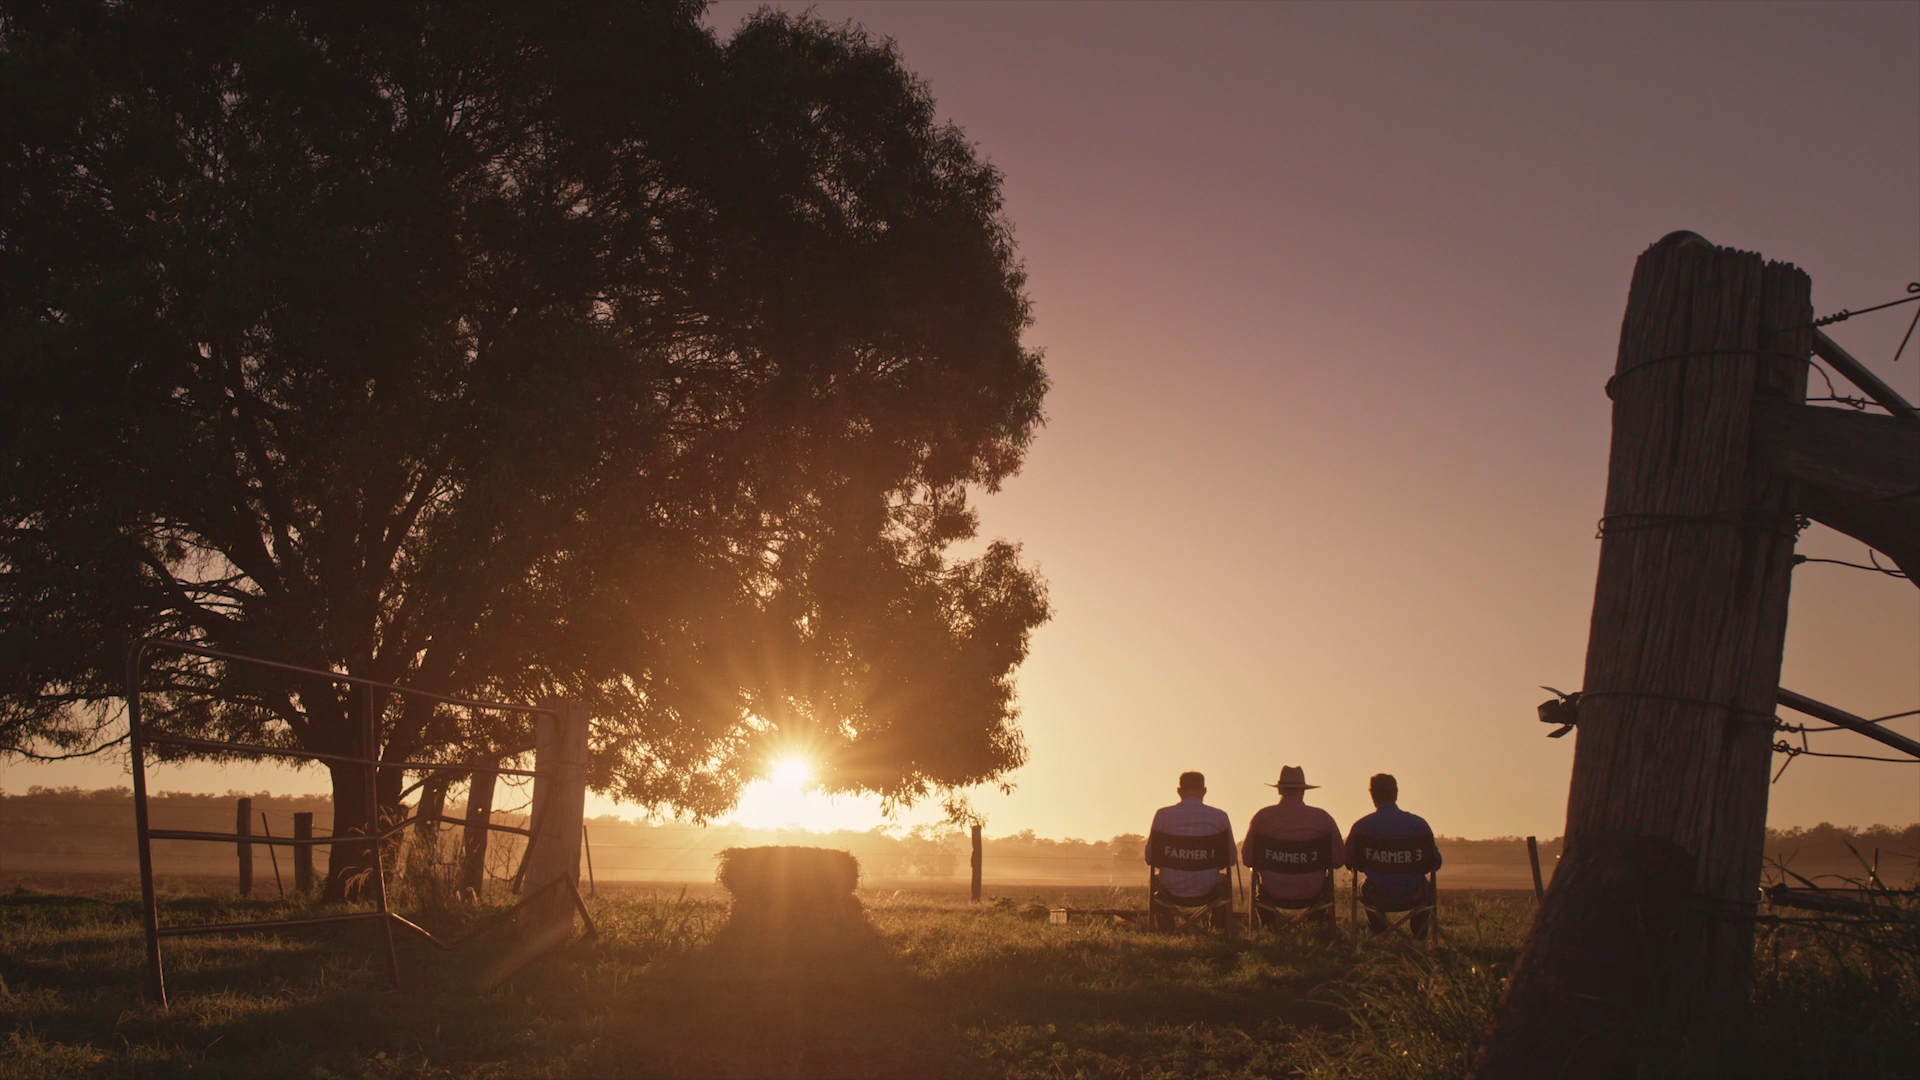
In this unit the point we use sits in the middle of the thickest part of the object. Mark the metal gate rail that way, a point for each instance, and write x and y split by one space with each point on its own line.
139 739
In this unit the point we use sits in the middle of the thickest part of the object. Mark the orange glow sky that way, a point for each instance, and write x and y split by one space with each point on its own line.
1328 295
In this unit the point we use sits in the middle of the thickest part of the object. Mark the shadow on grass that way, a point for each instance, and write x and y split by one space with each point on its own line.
1130 974
666 990
785 996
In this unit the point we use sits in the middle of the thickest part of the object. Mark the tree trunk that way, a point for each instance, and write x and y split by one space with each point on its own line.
1647 921
348 863
559 803
356 810
473 863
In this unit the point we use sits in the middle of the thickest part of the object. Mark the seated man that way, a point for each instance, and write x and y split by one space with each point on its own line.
1292 819
1191 816
1411 842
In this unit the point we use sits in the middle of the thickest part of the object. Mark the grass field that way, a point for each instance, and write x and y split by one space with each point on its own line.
922 986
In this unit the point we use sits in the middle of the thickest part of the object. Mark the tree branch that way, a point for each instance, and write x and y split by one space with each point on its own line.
31 755
207 620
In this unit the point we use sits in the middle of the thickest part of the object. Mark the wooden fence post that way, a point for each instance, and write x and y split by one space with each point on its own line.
1533 856
303 853
586 844
976 864
433 804
552 861
1649 912
243 824
473 864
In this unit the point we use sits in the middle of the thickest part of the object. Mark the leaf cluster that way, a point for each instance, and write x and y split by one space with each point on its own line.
508 351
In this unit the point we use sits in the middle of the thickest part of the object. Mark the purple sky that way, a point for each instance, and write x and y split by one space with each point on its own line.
1328 295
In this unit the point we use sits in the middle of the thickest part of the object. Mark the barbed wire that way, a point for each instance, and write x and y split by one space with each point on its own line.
1843 314
1803 750
1783 726
1858 404
1876 567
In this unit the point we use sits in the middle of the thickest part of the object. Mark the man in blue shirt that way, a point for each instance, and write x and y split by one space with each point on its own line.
1390 891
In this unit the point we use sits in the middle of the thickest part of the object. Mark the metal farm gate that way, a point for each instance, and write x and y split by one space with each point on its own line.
550 865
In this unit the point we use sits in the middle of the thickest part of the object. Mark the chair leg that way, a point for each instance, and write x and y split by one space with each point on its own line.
1433 887
1402 924
1353 903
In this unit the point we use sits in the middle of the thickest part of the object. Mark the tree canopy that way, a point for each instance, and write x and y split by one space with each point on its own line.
506 351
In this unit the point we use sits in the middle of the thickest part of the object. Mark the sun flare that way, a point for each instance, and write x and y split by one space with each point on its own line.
791 774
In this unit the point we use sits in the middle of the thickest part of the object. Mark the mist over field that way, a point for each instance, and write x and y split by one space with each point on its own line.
73 831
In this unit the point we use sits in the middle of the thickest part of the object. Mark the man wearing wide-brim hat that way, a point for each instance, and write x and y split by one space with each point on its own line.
1292 819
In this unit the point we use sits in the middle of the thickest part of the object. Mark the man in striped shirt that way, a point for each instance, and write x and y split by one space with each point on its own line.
1191 816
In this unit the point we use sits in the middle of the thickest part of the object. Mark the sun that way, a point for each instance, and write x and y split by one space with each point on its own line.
791 773
785 796
789 793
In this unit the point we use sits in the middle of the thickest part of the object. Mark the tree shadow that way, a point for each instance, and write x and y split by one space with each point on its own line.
802 994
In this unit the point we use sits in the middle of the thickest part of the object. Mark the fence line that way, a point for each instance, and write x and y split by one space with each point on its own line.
139 737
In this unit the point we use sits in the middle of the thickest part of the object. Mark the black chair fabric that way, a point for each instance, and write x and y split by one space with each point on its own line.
1290 856
1414 855
1168 852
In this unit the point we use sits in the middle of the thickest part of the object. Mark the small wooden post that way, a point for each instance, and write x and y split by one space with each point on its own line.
243 824
267 831
303 853
977 862
1650 913
473 865
433 804
552 861
1533 856
586 843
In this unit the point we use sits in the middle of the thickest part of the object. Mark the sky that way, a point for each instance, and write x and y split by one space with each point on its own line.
1328 294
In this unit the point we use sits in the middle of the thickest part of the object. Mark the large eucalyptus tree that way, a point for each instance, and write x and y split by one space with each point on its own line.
507 351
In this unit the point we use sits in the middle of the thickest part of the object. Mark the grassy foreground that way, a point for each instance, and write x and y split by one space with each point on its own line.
920 987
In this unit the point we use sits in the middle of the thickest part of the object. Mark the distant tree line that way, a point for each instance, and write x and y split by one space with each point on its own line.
45 820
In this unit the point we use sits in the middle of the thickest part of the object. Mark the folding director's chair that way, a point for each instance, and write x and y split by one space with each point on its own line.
1415 855
1169 852
1294 858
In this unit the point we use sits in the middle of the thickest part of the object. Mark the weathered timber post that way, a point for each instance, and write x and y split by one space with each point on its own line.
243 824
976 864
586 843
551 874
1647 919
266 829
433 804
473 863
303 853
1533 857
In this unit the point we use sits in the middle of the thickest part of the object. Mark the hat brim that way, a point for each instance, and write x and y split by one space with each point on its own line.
1291 787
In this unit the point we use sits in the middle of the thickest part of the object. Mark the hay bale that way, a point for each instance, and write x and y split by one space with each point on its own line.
782 879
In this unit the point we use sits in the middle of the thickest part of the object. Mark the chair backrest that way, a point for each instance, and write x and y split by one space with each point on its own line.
1413 855
1313 856
1168 852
